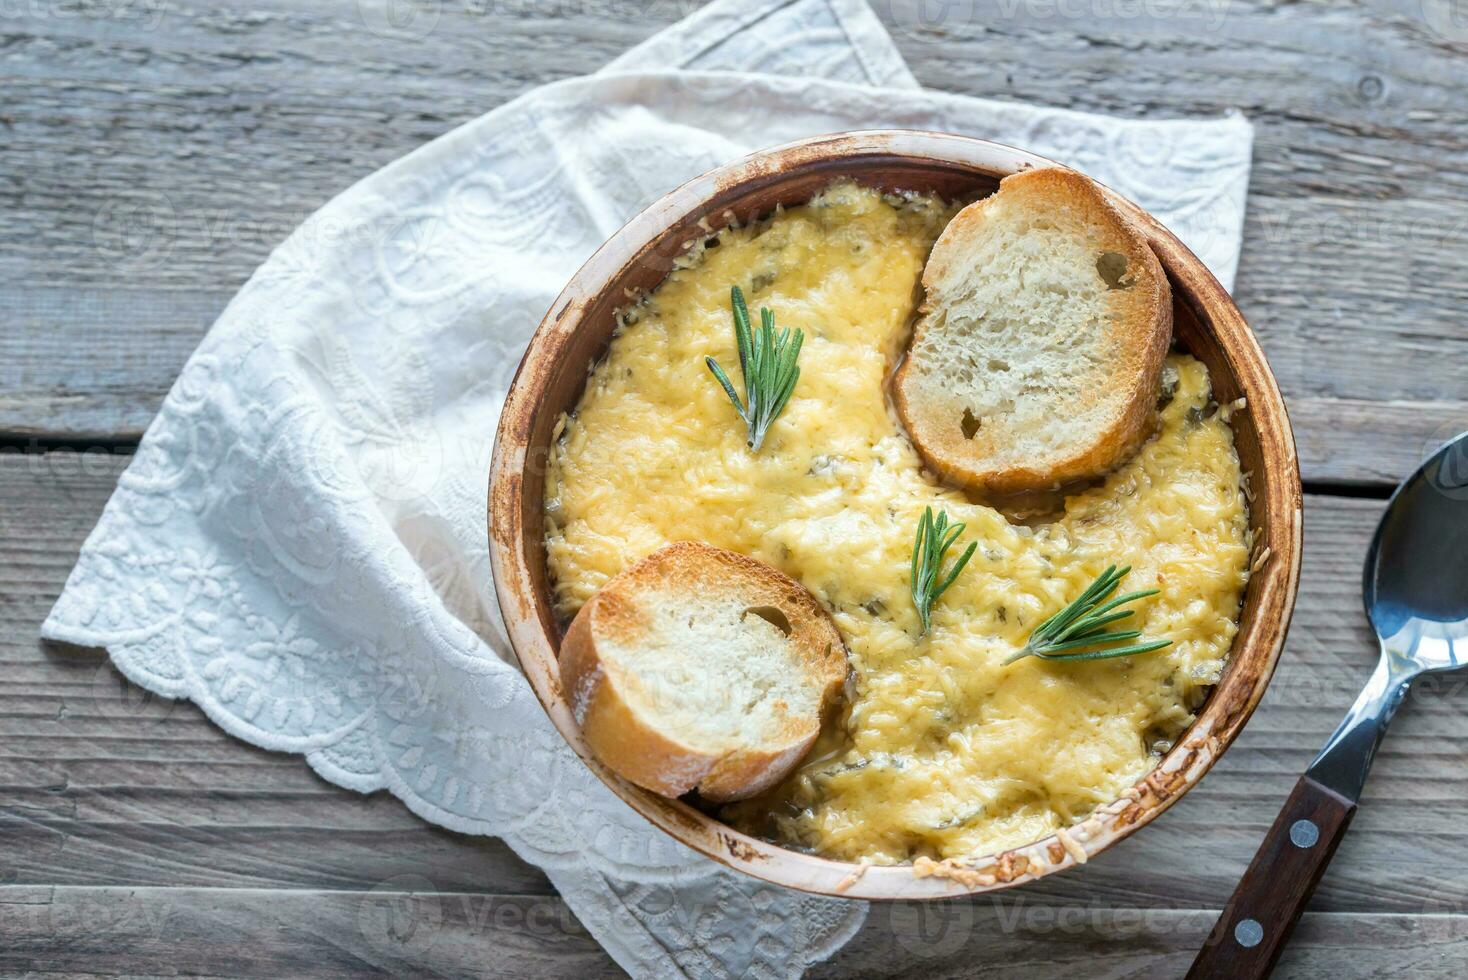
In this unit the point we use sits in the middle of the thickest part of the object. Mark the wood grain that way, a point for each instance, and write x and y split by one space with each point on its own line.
102 783
103 789
151 153
402 928
1022 940
210 130
1252 931
405 929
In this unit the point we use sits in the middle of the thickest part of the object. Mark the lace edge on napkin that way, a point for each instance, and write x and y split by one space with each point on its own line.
635 921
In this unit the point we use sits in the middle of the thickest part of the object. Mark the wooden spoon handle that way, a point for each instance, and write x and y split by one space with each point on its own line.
1263 910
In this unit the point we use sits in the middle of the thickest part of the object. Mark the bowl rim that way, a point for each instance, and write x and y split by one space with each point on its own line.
1277 510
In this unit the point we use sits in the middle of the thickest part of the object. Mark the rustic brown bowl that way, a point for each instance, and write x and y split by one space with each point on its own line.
577 331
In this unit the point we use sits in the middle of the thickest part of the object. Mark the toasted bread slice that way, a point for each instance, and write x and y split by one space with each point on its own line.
698 668
1038 350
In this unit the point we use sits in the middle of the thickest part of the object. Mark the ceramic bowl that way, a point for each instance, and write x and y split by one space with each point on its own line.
576 332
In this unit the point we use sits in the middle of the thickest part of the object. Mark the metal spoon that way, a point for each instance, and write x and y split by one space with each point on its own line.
1416 592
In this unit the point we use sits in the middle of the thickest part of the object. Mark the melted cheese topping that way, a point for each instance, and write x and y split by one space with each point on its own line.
942 751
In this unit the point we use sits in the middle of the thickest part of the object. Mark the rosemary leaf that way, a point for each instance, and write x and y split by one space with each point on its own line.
1082 625
768 363
928 581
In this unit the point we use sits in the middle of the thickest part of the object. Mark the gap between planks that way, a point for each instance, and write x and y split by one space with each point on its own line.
16 443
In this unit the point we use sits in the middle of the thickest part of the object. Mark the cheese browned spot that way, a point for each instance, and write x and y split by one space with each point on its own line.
944 752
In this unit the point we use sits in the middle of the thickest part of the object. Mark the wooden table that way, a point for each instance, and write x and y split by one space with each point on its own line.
136 838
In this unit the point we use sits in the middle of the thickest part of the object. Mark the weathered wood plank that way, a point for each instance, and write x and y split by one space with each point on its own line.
1361 442
101 783
403 928
1354 270
1353 262
1014 937
114 265
99 787
407 928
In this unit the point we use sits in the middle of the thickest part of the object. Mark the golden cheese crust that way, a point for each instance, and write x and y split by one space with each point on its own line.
943 751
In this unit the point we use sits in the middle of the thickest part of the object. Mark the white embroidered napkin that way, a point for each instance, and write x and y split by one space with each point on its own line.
299 544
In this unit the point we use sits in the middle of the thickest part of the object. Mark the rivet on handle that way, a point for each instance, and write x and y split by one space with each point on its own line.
1304 833
1249 933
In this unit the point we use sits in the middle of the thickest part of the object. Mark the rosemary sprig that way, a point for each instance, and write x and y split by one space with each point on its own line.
1083 623
928 582
769 367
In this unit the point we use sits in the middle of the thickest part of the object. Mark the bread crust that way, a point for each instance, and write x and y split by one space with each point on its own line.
1135 375
633 744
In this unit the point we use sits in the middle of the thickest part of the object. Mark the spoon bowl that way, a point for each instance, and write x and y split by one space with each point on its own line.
1415 584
